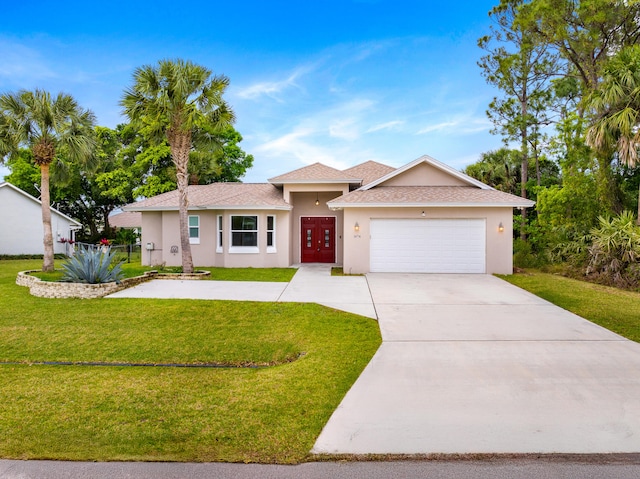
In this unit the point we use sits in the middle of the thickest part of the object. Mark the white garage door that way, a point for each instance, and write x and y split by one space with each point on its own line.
428 246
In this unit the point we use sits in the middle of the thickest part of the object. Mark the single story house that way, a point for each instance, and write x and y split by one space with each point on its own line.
423 217
21 224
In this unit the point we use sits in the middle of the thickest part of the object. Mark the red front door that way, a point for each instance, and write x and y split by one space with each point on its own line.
318 239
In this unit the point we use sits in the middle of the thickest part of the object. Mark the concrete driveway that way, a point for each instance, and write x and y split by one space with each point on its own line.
472 364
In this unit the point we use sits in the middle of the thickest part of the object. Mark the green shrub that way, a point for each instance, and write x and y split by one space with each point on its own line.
574 251
523 256
92 266
615 250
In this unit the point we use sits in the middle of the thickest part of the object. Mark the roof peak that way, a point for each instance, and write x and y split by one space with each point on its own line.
315 172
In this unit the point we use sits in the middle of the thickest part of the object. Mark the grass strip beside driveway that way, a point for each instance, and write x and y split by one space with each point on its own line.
614 309
272 414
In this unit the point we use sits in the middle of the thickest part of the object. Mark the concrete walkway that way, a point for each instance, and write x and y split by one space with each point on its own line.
314 284
310 284
472 364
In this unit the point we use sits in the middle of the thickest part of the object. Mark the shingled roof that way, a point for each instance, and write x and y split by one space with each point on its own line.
218 196
316 173
126 219
428 196
369 171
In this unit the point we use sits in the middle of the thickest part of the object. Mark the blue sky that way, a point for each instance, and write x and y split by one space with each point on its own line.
335 81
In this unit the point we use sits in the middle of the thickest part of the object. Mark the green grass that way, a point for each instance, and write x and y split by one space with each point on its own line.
611 308
217 274
251 274
269 414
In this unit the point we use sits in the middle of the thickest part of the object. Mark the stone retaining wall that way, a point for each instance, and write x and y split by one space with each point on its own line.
51 289
195 275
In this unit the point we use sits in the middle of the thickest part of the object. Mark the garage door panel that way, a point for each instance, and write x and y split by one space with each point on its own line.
428 246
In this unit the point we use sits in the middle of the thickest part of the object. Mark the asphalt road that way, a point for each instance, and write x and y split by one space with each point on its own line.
623 467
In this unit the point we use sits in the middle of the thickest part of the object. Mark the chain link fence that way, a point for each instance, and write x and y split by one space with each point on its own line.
129 253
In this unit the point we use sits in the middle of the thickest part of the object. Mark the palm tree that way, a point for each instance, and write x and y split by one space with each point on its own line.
616 104
498 168
179 101
35 120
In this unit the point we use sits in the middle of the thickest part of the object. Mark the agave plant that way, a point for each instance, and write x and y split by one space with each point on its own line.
92 266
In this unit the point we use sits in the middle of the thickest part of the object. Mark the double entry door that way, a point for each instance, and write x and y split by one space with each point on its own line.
318 239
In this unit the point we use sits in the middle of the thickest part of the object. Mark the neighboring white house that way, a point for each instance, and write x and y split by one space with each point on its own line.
21 224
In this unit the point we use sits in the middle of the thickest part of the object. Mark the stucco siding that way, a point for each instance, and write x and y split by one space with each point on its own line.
499 245
152 233
328 191
163 229
21 229
424 175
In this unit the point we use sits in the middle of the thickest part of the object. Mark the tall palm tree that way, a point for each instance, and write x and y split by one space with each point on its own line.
616 104
35 120
180 101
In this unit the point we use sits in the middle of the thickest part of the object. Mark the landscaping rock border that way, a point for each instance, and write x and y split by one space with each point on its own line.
194 275
53 289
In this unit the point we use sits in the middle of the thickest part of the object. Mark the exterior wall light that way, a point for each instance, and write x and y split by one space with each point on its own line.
317 200
501 227
356 227
423 214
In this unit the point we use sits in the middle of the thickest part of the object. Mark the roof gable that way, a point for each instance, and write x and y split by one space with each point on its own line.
369 171
17 190
426 171
316 173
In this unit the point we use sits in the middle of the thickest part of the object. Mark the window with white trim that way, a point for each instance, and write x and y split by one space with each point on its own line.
244 234
271 234
194 229
219 236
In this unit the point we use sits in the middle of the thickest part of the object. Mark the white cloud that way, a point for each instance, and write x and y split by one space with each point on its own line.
445 125
335 125
390 125
299 145
462 125
22 64
272 89
345 129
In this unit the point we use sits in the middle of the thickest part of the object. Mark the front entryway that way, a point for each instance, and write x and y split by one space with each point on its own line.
318 239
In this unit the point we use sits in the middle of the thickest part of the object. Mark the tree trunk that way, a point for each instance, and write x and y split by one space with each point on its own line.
638 217
108 230
524 168
608 193
180 144
47 263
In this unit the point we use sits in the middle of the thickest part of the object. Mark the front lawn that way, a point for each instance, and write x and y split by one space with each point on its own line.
156 413
217 274
611 308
